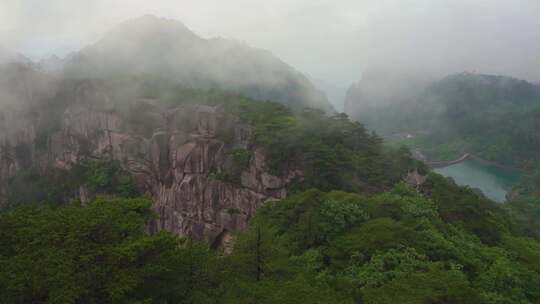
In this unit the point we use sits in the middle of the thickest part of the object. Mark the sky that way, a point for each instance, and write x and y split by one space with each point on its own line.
331 40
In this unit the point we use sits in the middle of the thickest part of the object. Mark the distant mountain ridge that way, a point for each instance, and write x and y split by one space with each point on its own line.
494 117
380 88
334 92
154 47
7 57
198 142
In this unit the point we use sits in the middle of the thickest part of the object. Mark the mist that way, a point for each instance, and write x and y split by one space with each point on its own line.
277 151
328 40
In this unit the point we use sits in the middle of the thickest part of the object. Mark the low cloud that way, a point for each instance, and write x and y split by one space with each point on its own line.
327 39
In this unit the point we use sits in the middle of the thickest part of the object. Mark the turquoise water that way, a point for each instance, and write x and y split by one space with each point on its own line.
494 182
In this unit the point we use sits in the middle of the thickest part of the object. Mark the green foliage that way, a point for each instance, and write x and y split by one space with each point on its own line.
58 186
524 204
394 247
389 244
463 206
259 253
525 212
405 276
262 270
333 152
433 285
312 218
313 247
96 254
529 185
107 177
237 161
241 157
35 185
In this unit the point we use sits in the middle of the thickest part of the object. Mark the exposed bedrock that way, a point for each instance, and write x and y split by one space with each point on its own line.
173 155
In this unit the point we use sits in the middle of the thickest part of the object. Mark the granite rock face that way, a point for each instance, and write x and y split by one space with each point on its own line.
172 153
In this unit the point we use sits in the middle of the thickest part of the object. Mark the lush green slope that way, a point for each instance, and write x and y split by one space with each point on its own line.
447 245
341 155
494 117
332 151
525 201
349 233
55 186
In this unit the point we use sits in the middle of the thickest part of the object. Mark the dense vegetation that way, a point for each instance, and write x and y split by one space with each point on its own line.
99 253
525 201
332 151
341 155
56 186
445 245
350 232
494 117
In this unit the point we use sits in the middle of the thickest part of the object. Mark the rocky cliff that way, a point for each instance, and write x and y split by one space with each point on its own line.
175 154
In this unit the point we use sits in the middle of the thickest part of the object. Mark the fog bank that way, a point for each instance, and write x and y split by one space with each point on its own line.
327 39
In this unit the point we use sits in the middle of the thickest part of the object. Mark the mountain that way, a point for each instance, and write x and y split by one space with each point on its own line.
218 198
207 159
21 82
155 48
129 176
335 93
52 64
380 88
22 86
493 117
151 98
7 57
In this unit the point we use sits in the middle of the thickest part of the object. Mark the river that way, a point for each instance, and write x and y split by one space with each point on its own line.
494 182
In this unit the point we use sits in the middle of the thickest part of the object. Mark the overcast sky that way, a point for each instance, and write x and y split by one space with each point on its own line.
332 40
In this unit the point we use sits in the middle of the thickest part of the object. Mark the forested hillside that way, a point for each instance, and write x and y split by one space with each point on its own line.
444 245
493 117
381 241
155 166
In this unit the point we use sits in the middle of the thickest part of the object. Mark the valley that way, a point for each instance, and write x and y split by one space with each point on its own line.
156 165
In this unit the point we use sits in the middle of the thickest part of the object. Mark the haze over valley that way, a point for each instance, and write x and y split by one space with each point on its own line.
269 151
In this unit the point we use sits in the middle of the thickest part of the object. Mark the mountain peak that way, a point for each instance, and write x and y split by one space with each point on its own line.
151 25
149 17
165 48
8 56
154 20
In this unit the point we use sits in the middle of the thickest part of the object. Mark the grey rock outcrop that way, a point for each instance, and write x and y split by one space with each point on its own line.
172 154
